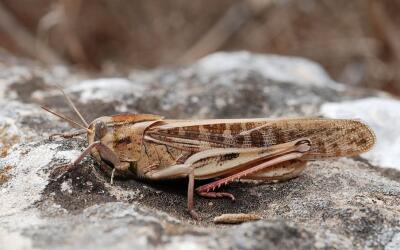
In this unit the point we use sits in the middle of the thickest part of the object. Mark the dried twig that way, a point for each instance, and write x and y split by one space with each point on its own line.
235 218
63 16
384 27
224 28
24 39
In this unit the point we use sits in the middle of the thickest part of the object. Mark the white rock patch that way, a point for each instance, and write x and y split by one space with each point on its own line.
394 244
25 169
14 241
66 186
106 89
28 179
383 115
274 67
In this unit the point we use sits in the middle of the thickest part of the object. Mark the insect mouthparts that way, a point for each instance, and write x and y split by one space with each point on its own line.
303 145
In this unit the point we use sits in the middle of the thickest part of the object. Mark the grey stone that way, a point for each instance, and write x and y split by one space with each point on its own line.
348 203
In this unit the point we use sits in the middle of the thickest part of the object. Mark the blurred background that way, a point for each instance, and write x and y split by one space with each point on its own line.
358 41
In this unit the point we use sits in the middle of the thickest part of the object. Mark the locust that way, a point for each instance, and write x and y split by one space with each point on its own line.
220 150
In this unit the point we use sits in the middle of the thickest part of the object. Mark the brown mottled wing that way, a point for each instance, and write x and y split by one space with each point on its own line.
329 137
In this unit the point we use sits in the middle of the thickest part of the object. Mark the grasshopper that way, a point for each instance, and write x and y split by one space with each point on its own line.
222 150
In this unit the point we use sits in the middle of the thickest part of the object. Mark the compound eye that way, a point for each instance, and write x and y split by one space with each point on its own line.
100 130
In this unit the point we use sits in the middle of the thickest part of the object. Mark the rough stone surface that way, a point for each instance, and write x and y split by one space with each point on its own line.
349 203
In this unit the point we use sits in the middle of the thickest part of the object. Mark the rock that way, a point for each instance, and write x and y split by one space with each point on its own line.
337 204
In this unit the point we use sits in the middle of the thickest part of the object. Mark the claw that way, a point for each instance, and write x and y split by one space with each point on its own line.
61 170
194 214
217 195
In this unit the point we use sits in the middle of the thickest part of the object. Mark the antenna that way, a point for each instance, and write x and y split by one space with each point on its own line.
66 118
71 104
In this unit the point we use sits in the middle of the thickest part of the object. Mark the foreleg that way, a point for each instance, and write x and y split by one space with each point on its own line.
105 153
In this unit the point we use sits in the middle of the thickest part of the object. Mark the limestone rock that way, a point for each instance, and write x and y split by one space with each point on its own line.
336 204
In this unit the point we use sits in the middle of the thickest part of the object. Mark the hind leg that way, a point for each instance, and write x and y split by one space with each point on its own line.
263 166
280 172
